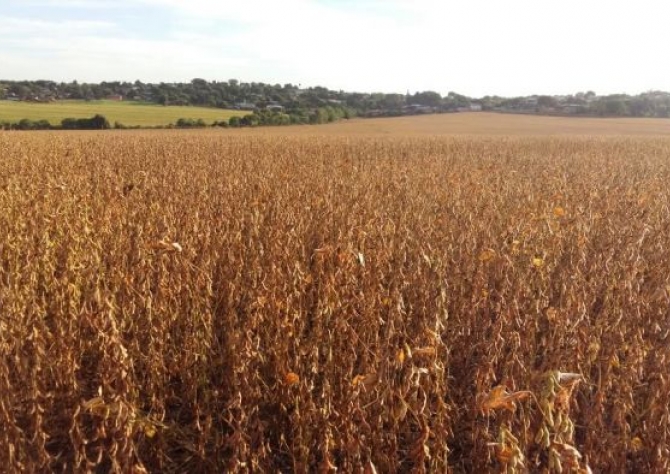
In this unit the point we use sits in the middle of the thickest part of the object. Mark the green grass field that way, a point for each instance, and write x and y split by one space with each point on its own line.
127 113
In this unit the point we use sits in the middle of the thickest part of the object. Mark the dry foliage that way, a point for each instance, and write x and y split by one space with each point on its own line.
210 303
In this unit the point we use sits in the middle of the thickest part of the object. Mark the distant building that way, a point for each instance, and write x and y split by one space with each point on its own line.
470 108
274 107
529 103
115 97
418 109
245 106
572 108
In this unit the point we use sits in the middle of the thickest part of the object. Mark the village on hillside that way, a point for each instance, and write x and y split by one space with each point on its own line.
255 96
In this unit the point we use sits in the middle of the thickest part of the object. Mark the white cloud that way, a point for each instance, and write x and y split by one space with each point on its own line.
83 4
94 59
474 47
20 28
311 42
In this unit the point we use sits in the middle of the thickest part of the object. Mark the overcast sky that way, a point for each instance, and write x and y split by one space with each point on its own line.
474 47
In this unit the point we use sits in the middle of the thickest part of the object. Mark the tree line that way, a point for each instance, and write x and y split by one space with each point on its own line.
304 105
257 118
97 122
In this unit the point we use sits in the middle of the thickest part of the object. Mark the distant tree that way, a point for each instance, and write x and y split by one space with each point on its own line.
616 107
320 115
393 101
24 124
279 118
41 125
86 92
428 98
99 122
22 91
299 116
69 124
455 100
546 101
190 123
250 120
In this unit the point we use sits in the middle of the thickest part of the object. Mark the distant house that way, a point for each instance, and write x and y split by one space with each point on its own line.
115 97
418 109
572 108
274 107
245 106
470 108
530 102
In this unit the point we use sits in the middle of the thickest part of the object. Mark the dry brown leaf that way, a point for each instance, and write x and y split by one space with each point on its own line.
367 381
424 352
503 453
499 398
568 453
487 255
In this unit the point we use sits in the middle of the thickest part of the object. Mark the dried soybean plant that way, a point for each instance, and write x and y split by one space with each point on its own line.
200 302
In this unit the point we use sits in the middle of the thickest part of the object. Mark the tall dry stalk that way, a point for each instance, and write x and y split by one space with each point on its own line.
207 303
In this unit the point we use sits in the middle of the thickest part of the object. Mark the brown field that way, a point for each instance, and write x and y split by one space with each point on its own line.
483 124
305 299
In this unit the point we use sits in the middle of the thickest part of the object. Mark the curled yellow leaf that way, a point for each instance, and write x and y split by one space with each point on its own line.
636 444
487 255
499 399
367 381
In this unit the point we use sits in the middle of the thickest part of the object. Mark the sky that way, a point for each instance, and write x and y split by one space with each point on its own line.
473 47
